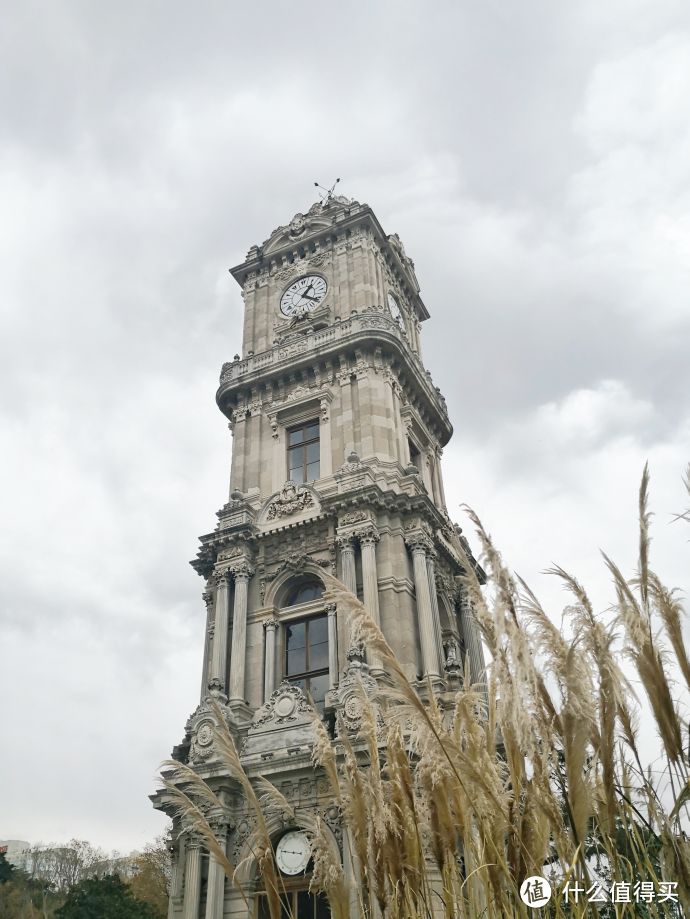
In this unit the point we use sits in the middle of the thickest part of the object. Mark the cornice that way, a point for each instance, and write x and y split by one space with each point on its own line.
371 327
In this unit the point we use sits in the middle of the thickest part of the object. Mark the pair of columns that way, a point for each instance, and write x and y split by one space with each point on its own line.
428 615
241 573
271 627
367 538
215 884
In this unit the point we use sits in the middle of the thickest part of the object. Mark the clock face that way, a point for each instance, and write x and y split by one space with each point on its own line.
395 310
293 852
303 296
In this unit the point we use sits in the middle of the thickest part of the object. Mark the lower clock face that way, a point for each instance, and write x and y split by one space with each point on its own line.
293 852
303 296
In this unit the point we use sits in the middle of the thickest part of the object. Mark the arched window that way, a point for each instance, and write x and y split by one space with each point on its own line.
304 592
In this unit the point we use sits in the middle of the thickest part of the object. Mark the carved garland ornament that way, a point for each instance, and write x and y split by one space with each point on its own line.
291 500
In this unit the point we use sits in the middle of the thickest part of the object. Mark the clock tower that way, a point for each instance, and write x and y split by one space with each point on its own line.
338 432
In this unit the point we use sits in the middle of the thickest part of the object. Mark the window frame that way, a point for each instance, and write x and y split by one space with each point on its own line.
302 445
305 675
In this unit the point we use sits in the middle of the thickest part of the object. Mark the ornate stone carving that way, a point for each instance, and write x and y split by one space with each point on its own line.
244 829
291 500
284 705
201 724
241 569
221 578
284 274
353 517
352 463
345 541
367 535
356 683
332 818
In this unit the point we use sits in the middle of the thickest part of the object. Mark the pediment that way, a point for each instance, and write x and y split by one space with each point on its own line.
300 227
292 501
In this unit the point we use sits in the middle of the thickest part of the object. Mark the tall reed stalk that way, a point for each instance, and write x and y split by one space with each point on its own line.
447 808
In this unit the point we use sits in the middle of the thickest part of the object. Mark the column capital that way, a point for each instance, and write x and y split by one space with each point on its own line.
331 608
221 578
193 841
241 570
271 624
419 542
345 542
368 535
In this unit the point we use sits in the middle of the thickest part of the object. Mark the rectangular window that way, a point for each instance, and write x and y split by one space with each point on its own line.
303 452
306 657
295 904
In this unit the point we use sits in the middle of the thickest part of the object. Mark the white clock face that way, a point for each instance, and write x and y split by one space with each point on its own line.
395 310
293 852
303 296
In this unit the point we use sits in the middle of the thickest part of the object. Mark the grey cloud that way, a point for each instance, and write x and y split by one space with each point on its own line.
144 148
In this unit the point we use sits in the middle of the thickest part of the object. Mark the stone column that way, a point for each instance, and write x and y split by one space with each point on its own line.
439 476
430 567
219 656
427 634
270 626
370 584
176 875
473 643
215 889
208 639
238 653
332 646
239 446
346 544
192 879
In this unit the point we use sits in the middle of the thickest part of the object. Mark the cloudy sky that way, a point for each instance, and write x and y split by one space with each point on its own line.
534 158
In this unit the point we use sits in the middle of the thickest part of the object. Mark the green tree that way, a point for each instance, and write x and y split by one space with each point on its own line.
106 898
6 869
151 882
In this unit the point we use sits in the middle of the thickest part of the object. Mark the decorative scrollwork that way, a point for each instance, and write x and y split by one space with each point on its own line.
290 500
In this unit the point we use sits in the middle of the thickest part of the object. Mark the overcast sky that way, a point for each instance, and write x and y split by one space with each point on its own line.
534 157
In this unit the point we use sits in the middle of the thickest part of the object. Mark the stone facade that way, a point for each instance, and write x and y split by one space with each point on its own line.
346 373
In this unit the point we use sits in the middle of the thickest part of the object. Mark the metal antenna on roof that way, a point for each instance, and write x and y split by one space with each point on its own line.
326 193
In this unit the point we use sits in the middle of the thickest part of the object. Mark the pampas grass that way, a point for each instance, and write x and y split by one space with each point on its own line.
448 804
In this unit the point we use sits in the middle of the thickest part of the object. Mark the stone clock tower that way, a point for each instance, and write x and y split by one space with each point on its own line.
338 432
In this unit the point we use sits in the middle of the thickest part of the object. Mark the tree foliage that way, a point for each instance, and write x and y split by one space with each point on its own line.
106 897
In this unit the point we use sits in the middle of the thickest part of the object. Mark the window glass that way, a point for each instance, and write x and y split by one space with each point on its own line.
323 910
295 646
318 629
317 689
303 452
305 905
312 590
318 656
306 656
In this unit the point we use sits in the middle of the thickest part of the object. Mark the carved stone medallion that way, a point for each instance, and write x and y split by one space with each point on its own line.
290 500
